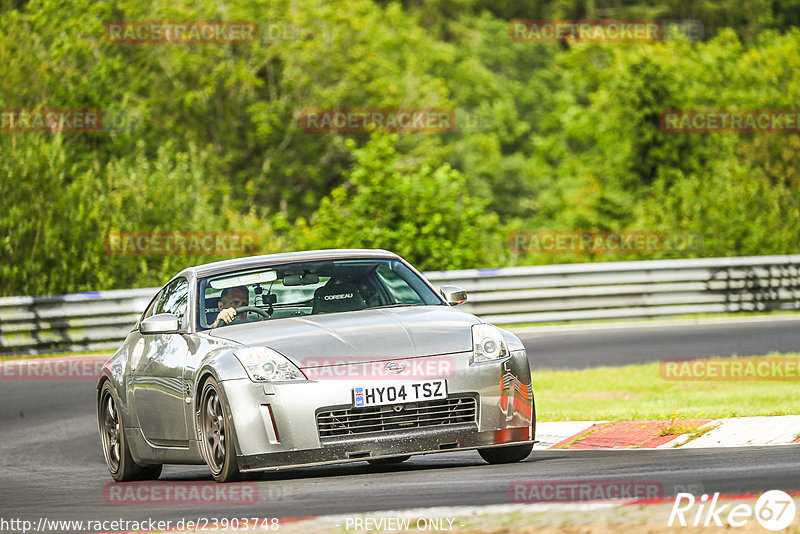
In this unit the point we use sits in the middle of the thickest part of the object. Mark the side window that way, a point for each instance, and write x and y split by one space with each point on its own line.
174 299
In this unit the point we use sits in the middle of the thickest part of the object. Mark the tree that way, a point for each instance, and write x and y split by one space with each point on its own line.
422 213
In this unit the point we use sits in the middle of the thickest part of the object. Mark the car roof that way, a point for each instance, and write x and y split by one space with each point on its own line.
218 267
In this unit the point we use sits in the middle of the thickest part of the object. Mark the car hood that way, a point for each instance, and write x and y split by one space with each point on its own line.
360 336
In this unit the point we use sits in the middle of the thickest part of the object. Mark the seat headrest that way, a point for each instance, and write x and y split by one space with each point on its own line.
338 298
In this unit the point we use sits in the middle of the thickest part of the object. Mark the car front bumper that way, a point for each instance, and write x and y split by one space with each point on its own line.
275 425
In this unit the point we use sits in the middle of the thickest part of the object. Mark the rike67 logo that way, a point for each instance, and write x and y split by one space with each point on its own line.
774 510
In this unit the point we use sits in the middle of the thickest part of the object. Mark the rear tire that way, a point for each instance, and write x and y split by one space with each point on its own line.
506 455
216 440
389 461
115 445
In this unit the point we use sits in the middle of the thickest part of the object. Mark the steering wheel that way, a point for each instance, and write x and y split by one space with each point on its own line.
253 309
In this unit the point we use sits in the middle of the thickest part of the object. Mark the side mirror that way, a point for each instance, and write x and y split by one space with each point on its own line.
454 295
163 323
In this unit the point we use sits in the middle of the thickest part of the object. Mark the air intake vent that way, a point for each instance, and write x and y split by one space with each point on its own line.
398 417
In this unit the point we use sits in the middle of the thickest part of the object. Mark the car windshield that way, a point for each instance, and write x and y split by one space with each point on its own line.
310 288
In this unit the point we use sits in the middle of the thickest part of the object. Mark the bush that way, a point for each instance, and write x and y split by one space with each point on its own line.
421 213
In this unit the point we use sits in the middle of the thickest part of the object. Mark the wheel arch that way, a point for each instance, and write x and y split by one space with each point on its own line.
120 394
206 373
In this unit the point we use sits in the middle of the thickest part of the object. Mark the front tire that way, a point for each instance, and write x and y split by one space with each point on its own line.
216 440
506 455
115 445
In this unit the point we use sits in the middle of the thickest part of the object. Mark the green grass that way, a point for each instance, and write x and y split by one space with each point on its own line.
638 392
676 427
611 322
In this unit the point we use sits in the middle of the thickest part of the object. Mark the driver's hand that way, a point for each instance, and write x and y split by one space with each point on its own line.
227 315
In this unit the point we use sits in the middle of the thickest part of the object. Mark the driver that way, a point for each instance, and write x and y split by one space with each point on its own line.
230 299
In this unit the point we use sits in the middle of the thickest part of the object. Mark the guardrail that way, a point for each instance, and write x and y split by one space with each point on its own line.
95 320
512 295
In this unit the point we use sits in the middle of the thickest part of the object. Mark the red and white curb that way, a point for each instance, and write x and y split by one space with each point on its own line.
747 431
697 433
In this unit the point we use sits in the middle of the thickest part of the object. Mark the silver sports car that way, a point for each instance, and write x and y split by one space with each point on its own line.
310 358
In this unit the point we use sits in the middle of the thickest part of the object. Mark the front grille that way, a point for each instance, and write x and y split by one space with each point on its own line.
357 421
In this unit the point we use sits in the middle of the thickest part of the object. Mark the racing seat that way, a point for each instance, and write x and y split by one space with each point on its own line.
337 298
209 302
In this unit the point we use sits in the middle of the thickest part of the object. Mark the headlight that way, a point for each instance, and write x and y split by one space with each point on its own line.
488 343
266 365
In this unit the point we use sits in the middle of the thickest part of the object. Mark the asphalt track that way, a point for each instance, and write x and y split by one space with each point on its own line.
52 465
578 347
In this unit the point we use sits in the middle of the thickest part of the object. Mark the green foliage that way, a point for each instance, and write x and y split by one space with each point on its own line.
748 17
548 136
56 217
419 212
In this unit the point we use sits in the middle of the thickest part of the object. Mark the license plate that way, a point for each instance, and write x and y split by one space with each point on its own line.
398 393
